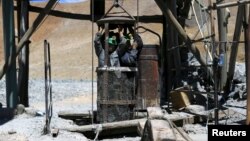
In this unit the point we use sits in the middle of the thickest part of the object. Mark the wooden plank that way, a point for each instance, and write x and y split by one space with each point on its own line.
107 126
154 112
71 115
159 130
140 127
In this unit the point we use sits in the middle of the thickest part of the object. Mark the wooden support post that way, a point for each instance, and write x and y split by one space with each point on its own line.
234 48
247 56
27 35
9 49
173 43
211 16
165 65
182 34
23 59
222 28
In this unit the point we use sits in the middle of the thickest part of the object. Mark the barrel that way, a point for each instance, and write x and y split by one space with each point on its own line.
148 82
116 88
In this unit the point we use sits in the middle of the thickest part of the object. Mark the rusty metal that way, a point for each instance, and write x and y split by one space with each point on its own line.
48 88
116 99
106 74
148 83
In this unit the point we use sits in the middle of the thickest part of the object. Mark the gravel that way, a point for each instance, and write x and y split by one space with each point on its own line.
29 126
76 96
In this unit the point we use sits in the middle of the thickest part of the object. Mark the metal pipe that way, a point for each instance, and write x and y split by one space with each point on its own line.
47 127
224 5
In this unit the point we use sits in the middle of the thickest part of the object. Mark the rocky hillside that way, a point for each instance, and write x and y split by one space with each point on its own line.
71 40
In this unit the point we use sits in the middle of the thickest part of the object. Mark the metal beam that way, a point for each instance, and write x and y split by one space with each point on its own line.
77 16
27 35
9 50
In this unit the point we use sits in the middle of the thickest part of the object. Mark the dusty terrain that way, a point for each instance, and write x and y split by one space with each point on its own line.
71 40
72 57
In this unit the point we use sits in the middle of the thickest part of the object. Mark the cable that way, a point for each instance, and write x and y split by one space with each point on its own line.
200 28
137 23
92 73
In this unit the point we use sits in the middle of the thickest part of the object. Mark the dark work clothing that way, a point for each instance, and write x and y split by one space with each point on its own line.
113 57
122 56
130 57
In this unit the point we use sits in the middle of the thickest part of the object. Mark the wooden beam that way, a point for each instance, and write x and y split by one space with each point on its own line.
23 58
182 34
234 48
108 129
27 35
247 56
9 52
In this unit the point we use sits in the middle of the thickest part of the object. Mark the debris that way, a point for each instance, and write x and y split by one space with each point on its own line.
54 132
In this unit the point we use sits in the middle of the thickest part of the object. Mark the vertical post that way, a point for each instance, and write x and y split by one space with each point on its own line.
173 42
23 59
106 74
97 9
9 49
163 65
222 27
211 16
247 56
234 48
47 127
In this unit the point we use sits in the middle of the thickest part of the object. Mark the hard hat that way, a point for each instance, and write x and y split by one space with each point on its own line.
112 41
